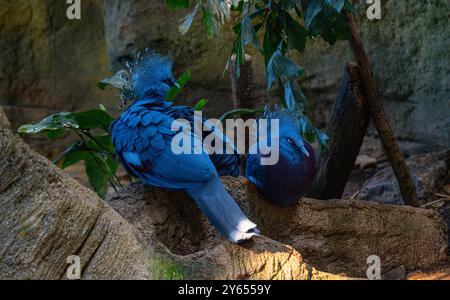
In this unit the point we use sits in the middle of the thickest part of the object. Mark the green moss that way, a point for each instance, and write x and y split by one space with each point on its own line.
164 268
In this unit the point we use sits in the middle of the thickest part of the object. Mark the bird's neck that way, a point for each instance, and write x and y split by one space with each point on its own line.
152 96
155 93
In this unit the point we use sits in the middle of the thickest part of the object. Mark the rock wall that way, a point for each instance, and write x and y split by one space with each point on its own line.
50 63
407 48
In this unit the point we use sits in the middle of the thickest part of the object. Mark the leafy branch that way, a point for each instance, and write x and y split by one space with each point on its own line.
94 146
275 28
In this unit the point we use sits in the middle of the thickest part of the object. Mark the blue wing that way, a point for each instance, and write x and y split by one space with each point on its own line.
253 170
226 164
143 140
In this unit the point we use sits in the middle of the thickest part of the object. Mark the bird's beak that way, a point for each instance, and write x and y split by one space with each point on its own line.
305 151
176 84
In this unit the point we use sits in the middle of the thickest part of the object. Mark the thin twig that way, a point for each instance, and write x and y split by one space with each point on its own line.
443 196
354 195
435 202
100 166
108 153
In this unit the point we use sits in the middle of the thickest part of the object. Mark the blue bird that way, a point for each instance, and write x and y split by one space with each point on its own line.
142 137
288 180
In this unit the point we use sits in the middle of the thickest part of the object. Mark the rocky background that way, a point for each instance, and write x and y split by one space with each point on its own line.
49 63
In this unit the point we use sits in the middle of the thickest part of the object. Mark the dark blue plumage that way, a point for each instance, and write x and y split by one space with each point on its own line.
292 176
142 137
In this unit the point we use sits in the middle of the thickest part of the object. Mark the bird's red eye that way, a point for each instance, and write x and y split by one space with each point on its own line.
168 82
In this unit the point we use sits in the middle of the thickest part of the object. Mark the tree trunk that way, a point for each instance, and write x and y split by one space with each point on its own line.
387 137
243 95
347 127
242 87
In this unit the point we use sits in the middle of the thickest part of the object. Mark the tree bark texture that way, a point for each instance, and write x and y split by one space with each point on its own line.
242 86
347 127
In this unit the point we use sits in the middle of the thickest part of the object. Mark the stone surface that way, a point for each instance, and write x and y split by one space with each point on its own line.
49 63
407 48
364 161
431 172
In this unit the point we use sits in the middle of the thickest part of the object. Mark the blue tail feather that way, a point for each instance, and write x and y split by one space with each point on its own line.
222 211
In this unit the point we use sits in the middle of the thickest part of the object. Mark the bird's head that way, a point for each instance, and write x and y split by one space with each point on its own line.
152 74
289 136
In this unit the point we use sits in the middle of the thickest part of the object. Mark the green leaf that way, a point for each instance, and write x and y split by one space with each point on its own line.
187 21
348 6
174 91
91 119
338 5
74 157
176 4
200 104
300 96
289 98
310 133
120 80
248 33
97 178
239 53
288 5
74 147
54 134
237 5
56 122
210 23
296 34
340 28
102 107
100 164
330 25
101 143
272 37
283 68
322 138
311 9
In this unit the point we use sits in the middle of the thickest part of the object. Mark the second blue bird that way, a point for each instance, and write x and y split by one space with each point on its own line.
288 180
